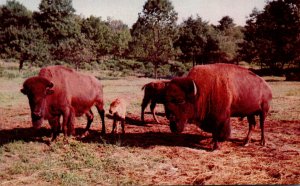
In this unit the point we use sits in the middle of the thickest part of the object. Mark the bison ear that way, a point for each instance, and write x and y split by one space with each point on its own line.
23 91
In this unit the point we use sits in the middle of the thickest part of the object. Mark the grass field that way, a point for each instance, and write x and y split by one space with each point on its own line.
149 154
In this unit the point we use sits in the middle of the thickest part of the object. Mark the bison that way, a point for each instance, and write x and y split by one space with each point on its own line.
211 94
118 110
154 92
59 91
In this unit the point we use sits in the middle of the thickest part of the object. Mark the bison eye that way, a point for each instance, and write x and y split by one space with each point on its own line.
180 102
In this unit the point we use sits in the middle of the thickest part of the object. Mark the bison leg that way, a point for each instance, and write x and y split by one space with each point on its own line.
68 121
101 113
152 107
145 103
221 133
66 116
252 123
55 127
71 124
90 118
262 121
167 112
114 126
123 126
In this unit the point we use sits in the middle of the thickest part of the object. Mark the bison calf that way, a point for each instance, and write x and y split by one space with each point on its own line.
154 92
118 110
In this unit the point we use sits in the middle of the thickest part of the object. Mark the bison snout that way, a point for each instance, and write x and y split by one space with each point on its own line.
173 126
36 115
177 127
37 123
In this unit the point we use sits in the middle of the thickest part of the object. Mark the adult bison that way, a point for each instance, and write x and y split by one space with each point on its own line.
211 94
59 91
154 92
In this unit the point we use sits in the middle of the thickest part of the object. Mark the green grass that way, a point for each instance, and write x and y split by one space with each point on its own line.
286 101
75 163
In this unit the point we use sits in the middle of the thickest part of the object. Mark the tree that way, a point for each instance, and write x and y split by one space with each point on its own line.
154 32
120 37
229 36
225 23
63 29
57 20
272 36
76 51
196 41
20 35
99 34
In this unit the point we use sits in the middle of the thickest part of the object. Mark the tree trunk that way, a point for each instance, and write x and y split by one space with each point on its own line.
193 61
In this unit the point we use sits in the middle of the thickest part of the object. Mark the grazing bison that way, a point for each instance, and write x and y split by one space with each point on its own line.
59 91
118 110
154 92
211 94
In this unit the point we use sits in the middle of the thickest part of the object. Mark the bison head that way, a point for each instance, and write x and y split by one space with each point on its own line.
114 106
37 89
180 100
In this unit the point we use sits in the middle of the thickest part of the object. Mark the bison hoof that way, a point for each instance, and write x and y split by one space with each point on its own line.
85 134
215 147
246 143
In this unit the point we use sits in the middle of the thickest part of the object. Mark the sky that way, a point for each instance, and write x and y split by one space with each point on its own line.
127 10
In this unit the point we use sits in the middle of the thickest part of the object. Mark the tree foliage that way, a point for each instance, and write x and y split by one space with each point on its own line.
20 36
56 17
272 35
196 41
154 32
55 34
229 36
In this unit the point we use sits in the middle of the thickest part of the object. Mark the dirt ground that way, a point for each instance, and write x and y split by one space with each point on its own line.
175 158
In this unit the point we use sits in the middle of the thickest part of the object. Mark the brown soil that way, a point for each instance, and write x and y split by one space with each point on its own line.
191 161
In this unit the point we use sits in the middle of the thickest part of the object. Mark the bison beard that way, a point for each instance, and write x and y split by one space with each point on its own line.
211 94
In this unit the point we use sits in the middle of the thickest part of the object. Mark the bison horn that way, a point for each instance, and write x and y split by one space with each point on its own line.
195 88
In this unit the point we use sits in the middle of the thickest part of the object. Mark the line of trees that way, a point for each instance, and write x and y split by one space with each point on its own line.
270 38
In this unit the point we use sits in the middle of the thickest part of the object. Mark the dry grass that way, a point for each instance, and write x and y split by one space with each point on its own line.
147 155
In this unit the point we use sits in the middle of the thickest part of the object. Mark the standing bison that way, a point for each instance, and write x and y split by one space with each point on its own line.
59 91
154 92
211 94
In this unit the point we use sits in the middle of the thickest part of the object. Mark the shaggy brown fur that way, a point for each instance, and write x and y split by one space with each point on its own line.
60 91
154 92
222 91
